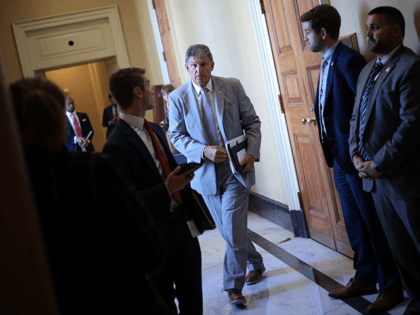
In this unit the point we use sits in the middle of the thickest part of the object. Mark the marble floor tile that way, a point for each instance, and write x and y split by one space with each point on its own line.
283 289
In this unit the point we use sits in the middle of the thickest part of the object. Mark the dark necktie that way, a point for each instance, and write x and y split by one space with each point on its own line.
162 158
363 105
208 118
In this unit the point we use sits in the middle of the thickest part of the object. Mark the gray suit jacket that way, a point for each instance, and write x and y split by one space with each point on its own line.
392 133
235 114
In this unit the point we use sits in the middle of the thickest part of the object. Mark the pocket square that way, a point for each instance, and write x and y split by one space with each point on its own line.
84 119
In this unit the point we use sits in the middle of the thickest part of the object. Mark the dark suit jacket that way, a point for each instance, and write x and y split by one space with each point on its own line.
392 133
86 127
344 70
108 115
96 241
128 148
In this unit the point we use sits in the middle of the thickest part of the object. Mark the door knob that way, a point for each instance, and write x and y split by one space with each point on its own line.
303 120
309 120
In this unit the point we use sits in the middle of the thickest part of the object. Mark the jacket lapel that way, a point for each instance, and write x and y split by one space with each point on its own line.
190 100
219 99
138 144
383 75
161 136
331 71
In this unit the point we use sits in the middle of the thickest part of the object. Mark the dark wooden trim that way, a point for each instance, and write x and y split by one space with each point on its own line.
158 106
297 216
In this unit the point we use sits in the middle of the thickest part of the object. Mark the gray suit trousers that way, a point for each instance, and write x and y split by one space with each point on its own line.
229 208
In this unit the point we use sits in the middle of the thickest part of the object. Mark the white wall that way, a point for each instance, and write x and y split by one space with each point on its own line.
226 27
354 14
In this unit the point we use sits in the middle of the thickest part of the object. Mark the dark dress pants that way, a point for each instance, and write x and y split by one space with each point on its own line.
401 221
183 268
373 259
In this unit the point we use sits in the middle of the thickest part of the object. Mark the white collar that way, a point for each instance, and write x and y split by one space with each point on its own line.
69 114
388 56
198 88
135 121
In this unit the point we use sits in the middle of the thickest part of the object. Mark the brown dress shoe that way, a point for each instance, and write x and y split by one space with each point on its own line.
254 276
385 301
353 288
236 297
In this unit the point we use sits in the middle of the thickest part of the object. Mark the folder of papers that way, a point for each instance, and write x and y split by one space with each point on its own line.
236 149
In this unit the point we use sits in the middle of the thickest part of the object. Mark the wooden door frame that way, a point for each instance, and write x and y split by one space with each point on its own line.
278 118
158 41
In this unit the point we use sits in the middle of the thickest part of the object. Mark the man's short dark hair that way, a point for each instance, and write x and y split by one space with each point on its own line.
324 16
198 51
122 83
393 17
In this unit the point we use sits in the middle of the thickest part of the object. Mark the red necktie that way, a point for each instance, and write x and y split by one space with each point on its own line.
162 158
76 126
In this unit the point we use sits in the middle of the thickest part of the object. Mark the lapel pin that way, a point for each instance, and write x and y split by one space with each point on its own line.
220 92
389 68
332 63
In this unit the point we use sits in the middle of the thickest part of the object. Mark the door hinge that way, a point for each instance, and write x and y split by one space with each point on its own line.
164 56
262 7
301 204
281 104
154 6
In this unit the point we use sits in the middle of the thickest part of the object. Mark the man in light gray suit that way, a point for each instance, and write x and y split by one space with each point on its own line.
385 141
204 114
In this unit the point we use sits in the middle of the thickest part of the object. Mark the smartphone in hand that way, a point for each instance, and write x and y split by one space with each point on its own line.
189 166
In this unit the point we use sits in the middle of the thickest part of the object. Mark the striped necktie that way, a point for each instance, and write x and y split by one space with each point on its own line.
363 105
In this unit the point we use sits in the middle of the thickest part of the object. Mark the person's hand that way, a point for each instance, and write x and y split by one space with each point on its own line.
162 123
215 153
357 160
176 181
367 170
248 161
80 141
114 120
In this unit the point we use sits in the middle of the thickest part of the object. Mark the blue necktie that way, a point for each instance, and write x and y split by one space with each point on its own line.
363 105
208 118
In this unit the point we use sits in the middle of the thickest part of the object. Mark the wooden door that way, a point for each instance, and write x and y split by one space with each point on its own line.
158 106
168 45
297 71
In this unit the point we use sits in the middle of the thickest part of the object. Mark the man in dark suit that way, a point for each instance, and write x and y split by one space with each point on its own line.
110 117
142 148
385 142
333 107
78 128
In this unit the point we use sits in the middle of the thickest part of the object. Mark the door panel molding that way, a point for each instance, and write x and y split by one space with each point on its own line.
23 30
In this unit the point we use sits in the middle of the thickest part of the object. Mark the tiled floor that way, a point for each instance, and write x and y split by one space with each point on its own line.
298 271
